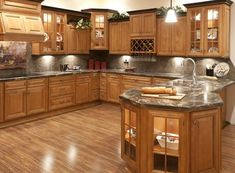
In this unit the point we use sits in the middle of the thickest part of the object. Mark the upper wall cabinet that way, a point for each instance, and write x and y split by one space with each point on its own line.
208 26
100 29
20 21
143 31
61 37
171 38
119 38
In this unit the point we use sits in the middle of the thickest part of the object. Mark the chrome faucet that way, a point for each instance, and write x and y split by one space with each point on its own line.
194 70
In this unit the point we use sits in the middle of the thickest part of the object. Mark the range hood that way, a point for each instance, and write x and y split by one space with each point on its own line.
20 20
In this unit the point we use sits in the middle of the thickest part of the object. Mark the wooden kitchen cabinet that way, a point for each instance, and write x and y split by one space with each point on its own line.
205 141
78 41
142 25
113 87
1 102
103 86
83 88
100 28
37 96
171 38
15 100
157 80
208 29
54 24
61 92
119 38
95 86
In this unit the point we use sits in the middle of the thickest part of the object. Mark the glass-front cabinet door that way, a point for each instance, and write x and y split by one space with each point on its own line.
167 143
195 18
59 32
212 30
48 24
130 135
99 30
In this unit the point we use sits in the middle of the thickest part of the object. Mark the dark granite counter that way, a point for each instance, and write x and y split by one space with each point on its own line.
21 76
203 96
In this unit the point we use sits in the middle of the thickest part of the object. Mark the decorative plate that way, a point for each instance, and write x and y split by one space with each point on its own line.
221 69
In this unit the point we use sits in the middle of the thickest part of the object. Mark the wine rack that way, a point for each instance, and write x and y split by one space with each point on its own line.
143 46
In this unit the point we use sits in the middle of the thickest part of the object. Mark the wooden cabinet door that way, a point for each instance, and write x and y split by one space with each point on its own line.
33 25
13 23
1 102
125 37
135 25
83 92
195 31
84 38
179 37
114 91
205 141
164 38
37 100
115 37
72 38
148 24
15 103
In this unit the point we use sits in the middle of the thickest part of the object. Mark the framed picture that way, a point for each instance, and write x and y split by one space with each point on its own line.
212 34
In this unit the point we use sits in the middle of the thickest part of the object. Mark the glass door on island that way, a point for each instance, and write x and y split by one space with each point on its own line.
130 134
196 33
166 142
212 30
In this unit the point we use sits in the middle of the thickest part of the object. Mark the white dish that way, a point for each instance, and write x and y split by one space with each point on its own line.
221 69
172 141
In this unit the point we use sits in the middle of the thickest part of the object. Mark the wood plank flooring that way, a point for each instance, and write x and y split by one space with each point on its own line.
85 141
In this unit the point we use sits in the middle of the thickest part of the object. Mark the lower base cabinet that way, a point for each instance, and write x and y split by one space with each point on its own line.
37 96
83 89
15 99
1 102
156 141
113 88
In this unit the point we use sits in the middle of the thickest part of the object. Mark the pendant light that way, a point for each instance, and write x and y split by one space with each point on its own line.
171 15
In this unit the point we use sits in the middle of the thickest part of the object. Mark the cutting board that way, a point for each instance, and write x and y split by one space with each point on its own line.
178 96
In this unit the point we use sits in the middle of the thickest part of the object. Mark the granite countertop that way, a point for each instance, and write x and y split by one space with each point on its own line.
204 96
25 75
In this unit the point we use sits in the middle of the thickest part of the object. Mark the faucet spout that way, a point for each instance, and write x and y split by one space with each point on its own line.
194 70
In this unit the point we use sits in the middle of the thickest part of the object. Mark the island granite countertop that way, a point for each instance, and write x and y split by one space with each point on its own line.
25 75
202 97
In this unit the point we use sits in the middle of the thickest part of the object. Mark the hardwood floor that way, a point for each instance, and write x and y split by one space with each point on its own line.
85 141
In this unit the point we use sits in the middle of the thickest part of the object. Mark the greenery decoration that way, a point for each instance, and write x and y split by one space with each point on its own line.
118 16
162 11
83 24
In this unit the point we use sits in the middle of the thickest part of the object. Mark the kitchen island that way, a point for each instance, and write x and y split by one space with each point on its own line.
163 135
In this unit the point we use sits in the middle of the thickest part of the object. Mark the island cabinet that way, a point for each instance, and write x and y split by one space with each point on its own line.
1 102
113 87
171 38
155 140
119 38
208 26
61 92
37 96
15 99
83 88
158 80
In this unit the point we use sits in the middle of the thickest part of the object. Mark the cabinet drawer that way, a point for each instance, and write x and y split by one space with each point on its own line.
15 85
83 78
159 80
95 75
102 75
112 77
62 90
37 82
61 80
136 79
61 102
